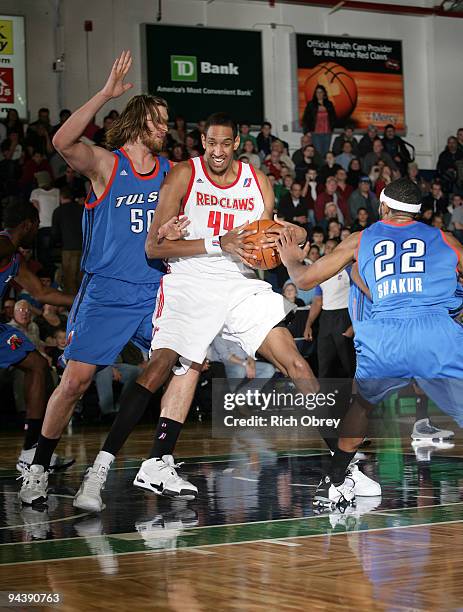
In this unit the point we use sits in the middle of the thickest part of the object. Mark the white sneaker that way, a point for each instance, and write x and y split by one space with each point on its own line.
424 430
330 495
364 486
88 497
57 463
162 531
35 484
160 477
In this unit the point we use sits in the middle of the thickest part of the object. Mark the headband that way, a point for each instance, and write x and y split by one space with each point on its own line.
397 205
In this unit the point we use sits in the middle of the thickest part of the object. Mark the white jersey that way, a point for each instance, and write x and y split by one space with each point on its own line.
214 210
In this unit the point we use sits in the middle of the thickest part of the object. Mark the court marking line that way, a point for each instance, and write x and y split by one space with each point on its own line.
259 541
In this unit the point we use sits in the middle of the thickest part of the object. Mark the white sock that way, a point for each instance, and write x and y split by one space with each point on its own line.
104 458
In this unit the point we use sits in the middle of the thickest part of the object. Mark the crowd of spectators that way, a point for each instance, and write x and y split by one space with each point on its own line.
330 186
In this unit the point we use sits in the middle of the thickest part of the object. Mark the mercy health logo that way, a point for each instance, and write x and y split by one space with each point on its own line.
185 68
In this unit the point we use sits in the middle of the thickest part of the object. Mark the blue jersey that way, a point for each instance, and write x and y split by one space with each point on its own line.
359 305
115 225
407 267
9 271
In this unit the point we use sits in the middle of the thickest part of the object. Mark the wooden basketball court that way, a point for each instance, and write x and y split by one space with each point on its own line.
251 541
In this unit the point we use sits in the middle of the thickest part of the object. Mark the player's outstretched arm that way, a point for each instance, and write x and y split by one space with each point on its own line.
94 162
45 295
307 277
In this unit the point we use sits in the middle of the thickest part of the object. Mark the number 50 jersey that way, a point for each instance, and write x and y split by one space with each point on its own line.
116 224
407 266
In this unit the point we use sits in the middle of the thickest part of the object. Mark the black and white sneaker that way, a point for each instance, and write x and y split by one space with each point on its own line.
57 463
160 477
34 489
331 496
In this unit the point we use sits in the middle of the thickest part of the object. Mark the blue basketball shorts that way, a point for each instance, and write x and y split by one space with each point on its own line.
106 315
14 346
425 346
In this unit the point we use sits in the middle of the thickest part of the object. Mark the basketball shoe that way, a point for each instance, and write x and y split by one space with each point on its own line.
57 463
34 487
160 477
424 430
329 495
364 486
88 497
162 531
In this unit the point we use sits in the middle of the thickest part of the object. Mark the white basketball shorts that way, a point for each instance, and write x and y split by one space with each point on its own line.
191 310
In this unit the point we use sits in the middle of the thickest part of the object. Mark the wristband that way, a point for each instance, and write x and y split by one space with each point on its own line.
245 363
212 246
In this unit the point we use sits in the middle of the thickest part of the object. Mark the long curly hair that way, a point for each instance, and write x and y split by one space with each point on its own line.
131 123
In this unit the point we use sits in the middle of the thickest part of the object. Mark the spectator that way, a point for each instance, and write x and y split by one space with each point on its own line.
426 216
378 153
250 152
238 365
43 120
309 189
264 139
354 173
318 239
278 145
272 164
91 129
178 153
330 195
334 230
196 133
346 136
413 172
363 198
343 188
22 319
345 232
48 322
329 168
14 124
396 148
361 221
45 198
319 118
178 131
436 200
120 372
10 171
74 182
305 161
114 114
56 351
346 156
331 213
457 216
67 233
306 139
460 138
366 142
293 207
384 178
46 280
447 163
64 115
245 135
438 221
99 137
282 188
37 163
7 312
290 293
191 146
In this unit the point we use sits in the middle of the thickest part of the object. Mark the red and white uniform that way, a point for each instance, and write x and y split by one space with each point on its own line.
206 295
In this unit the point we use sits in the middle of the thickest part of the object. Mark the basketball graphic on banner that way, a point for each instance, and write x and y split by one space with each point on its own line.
339 83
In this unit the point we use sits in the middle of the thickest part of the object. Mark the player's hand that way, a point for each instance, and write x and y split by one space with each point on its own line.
288 248
174 229
115 85
272 237
233 242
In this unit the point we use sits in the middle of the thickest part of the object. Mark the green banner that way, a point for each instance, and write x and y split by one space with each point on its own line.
200 71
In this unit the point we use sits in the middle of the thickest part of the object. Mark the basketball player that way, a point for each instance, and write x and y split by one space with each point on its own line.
21 222
117 295
208 291
411 272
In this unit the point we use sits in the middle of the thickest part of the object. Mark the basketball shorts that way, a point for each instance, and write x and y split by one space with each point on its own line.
426 347
192 310
106 315
14 346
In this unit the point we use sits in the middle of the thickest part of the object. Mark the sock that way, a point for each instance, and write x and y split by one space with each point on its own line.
134 402
32 429
44 451
421 407
165 438
332 443
339 463
104 458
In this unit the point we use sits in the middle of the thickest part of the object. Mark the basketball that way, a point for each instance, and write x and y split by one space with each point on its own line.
340 86
267 259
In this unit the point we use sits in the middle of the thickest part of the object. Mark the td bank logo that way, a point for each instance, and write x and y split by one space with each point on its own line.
183 68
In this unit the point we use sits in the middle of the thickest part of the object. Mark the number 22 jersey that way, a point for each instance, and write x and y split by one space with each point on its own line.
116 224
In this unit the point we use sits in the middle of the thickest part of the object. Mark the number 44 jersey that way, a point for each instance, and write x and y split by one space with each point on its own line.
408 266
116 224
213 210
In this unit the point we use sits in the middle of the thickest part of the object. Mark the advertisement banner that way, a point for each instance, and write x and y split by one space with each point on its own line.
363 78
12 65
200 71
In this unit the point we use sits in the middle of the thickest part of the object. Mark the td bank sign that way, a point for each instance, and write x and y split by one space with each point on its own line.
185 68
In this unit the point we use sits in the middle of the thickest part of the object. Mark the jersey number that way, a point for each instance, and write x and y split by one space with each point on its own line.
410 260
217 220
137 220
